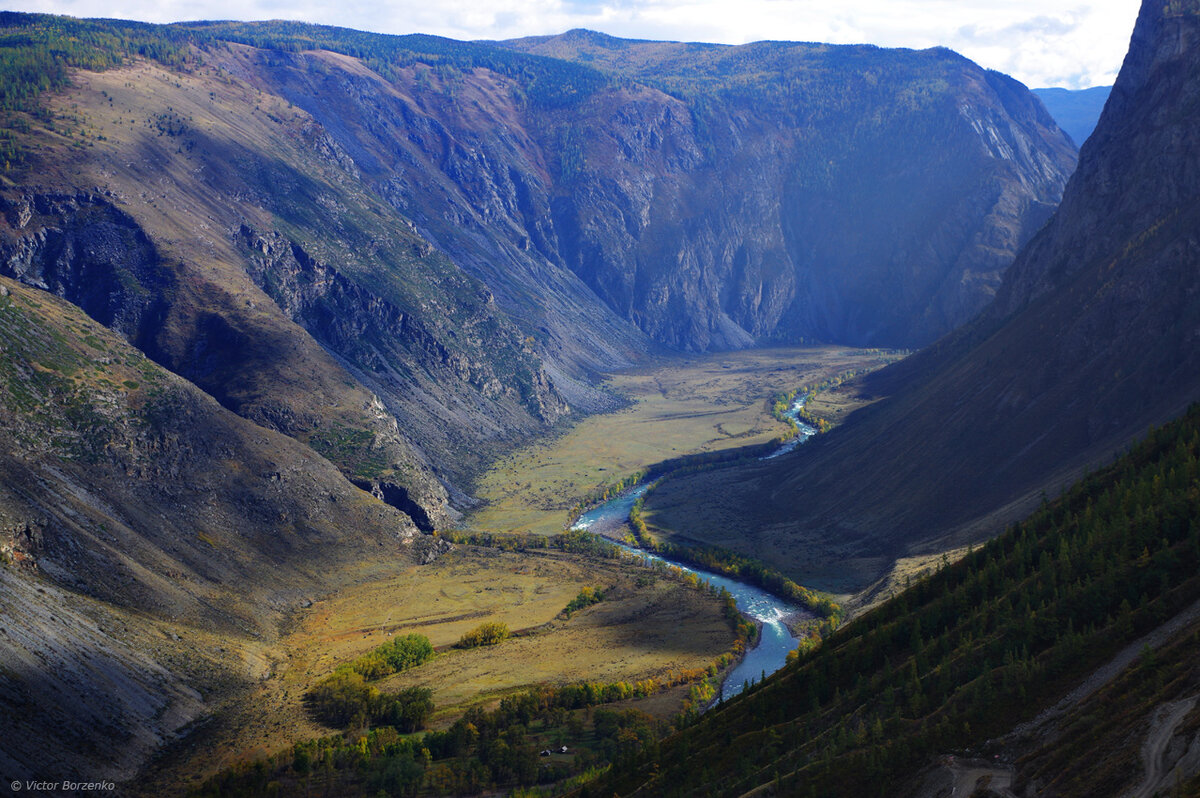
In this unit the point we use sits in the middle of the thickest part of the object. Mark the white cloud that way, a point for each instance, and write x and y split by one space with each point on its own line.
1040 42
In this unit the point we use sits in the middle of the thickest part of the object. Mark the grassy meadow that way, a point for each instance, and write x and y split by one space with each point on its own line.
677 406
647 626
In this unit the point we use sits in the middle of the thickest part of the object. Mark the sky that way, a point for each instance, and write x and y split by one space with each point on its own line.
1040 42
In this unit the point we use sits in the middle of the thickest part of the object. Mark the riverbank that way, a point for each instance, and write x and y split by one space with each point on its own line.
782 624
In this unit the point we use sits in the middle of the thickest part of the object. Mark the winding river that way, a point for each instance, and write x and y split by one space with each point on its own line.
803 431
775 639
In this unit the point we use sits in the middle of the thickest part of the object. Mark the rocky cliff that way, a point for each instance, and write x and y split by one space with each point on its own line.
714 197
1093 337
779 191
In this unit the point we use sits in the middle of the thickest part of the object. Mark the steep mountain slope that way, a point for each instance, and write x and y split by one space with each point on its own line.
1092 338
1046 658
150 541
456 153
259 267
751 203
1076 112
788 191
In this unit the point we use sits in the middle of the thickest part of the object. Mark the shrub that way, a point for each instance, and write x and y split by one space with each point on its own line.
486 634
586 598
344 699
394 656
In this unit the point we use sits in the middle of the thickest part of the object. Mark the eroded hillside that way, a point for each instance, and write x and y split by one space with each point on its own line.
151 541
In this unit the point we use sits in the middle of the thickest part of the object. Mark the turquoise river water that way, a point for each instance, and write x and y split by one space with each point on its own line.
775 640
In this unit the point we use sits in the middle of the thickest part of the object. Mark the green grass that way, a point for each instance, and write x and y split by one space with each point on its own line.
352 448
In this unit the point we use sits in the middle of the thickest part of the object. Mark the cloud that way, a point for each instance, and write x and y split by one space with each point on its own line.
1040 42
1041 26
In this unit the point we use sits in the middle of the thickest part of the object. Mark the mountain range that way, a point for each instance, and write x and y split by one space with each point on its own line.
273 294
1089 342
1076 112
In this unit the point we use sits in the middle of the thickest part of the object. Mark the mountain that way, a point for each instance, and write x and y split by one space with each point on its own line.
789 191
1076 112
274 294
1058 660
412 253
1092 339
150 542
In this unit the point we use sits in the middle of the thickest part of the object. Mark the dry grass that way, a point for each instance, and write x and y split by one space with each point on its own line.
836 404
639 631
903 572
646 627
680 405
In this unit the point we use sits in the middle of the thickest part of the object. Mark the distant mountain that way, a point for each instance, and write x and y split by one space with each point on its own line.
1076 112
1094 336
779 191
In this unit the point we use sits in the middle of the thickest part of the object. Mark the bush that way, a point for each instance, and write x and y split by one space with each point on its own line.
486 634
586 598
344 699
394 656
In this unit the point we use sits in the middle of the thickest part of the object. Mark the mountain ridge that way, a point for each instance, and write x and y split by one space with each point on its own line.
363 267
1075 111
1098 308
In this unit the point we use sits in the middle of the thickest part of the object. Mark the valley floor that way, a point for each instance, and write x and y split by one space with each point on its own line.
649 626
677 406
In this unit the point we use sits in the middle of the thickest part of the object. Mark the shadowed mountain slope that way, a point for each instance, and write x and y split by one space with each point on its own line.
1093 337
150 541
1049 659
849 194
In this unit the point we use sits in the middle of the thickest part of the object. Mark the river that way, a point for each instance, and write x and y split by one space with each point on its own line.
775 640
803 431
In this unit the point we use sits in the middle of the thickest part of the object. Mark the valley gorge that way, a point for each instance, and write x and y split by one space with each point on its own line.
305 332
1015 405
